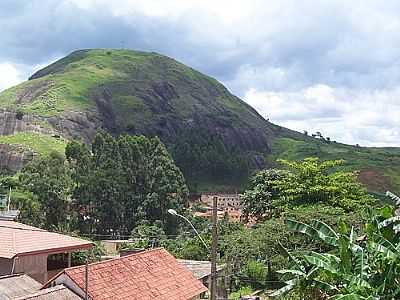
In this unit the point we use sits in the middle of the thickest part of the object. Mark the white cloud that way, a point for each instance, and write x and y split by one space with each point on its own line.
331 65
9 75
368 117
228 11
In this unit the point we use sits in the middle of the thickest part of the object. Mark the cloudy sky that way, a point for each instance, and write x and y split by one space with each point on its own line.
329 66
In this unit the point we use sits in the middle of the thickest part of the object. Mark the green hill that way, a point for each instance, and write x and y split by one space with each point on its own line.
215 138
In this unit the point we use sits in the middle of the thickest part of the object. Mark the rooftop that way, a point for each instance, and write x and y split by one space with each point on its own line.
12 286
199 268
18 239
152 274
57 292
9 215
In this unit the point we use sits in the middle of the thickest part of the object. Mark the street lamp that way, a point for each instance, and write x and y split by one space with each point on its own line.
174 213
214 246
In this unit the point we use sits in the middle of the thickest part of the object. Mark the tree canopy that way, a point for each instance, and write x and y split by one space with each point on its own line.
309 181
126 180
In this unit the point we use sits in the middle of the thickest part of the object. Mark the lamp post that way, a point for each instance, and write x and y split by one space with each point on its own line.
174 213
214 245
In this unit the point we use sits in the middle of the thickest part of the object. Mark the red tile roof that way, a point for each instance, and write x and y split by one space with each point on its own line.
18 239
152 274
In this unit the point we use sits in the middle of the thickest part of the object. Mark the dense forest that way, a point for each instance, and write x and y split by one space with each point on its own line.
200 153
318 232
108 189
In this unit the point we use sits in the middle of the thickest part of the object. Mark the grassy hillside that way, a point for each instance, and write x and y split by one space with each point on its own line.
133 92
215 137
69 84
39 143
379 167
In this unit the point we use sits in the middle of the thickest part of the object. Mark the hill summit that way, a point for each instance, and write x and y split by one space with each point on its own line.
214 137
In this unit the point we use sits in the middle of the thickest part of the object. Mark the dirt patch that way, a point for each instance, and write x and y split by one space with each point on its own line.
375 180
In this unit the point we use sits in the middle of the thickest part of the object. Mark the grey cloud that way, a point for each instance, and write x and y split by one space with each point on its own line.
283 47
311 43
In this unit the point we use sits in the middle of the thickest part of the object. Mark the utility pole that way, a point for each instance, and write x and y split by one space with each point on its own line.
87 275
214 251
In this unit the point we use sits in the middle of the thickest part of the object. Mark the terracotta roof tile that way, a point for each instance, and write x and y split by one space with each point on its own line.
18 239
153 274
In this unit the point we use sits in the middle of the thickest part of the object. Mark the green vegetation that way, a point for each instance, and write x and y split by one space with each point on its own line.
383 164
149 94
303 190
305 182
38 142
215 138
200 154
123 182
68 85
48 180
243 291
115 187
355 267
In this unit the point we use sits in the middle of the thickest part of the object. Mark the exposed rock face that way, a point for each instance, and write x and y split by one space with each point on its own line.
77 125
132 92
13 122
13 158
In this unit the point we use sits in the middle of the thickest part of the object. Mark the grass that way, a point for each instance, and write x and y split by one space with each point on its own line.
384 160
128 78
39 143
69 84
243 291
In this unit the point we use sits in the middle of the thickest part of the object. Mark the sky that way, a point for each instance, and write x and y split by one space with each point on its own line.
328 66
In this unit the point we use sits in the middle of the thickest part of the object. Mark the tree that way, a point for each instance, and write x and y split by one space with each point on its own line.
309 181
312 181
48 178
148 235
356 267
126 180
256 273
262 242
260 199
201 154
166 186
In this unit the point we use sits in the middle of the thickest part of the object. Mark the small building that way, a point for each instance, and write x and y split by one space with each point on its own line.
58 292
17 285
113 247
152 274
226 202
202 271
24 287
233 215
8 215
27 249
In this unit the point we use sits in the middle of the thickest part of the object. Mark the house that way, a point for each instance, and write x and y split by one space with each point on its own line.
209 214
16 285
9 215
114 246
151 274
27 249
226 202
23 287
202 271
233 215
58 292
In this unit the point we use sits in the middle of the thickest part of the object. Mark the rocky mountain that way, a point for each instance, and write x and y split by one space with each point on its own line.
211 133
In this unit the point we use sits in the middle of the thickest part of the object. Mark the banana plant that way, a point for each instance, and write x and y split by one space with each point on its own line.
357 267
